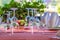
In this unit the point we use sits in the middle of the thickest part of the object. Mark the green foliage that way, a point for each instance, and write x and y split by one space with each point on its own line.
58 9
1 12
22 12
14 24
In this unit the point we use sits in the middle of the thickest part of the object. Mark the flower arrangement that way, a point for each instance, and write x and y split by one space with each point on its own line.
22 23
